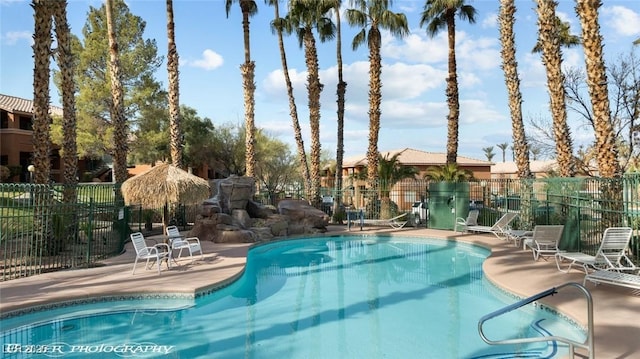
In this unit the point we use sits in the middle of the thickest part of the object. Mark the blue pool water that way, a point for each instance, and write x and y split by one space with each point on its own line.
332 297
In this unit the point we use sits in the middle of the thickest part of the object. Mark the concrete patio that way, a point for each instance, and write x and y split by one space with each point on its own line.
616 309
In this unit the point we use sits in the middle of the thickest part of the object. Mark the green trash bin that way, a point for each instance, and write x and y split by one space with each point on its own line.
447 201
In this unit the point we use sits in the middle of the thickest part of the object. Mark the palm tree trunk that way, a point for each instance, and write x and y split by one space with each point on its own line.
552 59
607 154
44 242
117 106
341 90
452 92
510 67
249 88
293 111
174 91
315 88
375 99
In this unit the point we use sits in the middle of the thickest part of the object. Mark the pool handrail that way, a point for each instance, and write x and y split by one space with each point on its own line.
589 346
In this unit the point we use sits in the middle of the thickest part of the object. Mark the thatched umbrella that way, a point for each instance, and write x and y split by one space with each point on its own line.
163 185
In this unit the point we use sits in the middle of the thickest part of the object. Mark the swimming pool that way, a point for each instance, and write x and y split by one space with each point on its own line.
328 297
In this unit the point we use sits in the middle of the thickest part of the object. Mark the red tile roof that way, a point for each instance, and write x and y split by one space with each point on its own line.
21 105
413 157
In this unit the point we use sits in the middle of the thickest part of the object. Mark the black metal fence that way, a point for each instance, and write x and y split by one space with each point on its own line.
40 231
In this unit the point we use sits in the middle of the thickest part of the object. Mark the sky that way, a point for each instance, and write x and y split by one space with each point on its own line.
414 108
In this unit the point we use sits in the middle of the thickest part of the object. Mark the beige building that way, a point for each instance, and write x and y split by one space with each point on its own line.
501 170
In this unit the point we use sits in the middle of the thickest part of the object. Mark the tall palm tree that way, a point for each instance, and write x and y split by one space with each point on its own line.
510 67
248 8
277 25
440 14
549 41
607 153
371 16
43 240
488 152
341 91
304 16
41 97
175 129
503 147
117 106
69 124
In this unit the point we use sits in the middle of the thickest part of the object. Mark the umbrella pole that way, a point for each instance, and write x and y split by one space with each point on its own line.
165 215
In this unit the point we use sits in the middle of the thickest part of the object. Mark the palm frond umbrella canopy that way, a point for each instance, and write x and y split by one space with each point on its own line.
163 185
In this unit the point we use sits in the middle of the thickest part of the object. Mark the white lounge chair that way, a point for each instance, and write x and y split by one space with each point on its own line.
471 220
544 241
611 255
159 252
179 242
391 222
613 277
499 228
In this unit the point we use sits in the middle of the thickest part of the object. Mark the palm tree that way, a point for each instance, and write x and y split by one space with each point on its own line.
391 171
117 106
488 152
303 17
440 14
277 25
637 42
41 120
341 91
503 147
607 153
69 124
549 41
41 97
248 8
375 15
175 129
449 172
512 81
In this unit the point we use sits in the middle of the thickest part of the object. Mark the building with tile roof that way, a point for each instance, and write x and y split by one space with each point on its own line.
422 160
16 138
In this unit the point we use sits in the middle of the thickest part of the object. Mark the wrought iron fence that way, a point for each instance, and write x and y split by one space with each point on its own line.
40 232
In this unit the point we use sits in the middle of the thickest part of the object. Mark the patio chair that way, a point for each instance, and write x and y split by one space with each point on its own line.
610 256
159 252
628 280
180 242
499 229
544 241
471 220
391 222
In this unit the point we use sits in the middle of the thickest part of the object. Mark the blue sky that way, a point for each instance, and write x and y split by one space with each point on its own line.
414 106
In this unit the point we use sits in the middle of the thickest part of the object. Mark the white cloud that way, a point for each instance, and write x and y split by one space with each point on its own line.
490 21
13 37
210 60
624 21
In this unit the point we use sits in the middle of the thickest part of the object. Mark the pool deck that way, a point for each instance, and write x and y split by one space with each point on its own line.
616 309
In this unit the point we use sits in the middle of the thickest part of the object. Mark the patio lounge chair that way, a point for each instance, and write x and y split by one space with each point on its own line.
159 252
613 277
544 241
499 228
179 242
611 255
471 220
391 222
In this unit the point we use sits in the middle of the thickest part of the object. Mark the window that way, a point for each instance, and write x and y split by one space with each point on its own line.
26 123
4 119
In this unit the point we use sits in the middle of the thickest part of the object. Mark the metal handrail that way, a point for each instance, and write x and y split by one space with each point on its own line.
572 344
